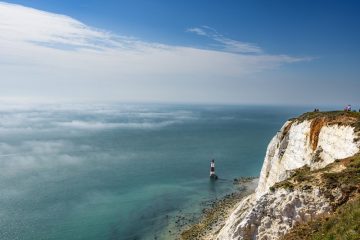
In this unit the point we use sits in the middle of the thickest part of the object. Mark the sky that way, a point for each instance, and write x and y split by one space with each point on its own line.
225 52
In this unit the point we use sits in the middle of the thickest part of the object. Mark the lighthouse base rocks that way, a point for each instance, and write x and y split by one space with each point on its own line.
309 185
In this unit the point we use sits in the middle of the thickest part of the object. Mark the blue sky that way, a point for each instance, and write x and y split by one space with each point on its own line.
313 48
294 27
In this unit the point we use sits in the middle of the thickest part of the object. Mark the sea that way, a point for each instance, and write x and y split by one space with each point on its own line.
123 171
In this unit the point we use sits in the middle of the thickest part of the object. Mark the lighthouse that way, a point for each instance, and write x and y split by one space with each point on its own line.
212 170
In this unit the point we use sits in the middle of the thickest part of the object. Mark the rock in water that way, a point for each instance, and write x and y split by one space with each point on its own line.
214 177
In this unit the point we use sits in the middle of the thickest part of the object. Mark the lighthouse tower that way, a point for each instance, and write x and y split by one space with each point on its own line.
212 169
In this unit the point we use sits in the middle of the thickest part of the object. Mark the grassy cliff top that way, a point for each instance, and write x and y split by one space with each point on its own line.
332 117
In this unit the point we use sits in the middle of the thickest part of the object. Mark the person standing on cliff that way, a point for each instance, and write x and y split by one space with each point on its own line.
347 108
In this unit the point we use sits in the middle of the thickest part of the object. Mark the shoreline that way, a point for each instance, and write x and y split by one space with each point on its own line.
213 218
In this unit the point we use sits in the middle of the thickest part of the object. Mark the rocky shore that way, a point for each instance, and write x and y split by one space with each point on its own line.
217 211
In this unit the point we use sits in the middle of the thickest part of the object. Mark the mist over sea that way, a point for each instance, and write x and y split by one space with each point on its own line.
122 171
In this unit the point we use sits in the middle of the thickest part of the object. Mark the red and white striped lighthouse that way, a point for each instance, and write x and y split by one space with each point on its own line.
212 169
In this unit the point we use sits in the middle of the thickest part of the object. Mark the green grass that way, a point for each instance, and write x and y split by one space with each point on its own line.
344 224
349 177
300 175
284 184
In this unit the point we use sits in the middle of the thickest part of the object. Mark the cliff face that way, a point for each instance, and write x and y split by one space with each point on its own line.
282 200
295 145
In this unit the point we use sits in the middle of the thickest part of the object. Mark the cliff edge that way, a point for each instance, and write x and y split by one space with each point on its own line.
311 170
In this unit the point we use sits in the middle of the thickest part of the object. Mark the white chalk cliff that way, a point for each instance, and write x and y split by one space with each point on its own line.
267 214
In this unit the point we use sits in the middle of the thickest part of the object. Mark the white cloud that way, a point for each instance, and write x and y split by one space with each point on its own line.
46 55
227 44
198 31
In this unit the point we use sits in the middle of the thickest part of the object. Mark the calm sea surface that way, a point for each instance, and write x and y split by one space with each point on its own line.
122 171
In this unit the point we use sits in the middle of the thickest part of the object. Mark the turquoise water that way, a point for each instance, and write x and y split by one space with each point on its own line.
120 171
